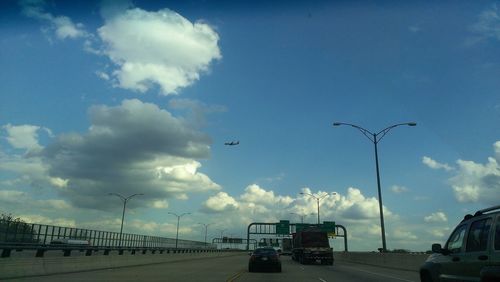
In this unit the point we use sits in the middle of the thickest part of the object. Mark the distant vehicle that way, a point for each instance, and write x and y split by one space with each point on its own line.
311 245
286 245
264 259
232 143
472 253
70 242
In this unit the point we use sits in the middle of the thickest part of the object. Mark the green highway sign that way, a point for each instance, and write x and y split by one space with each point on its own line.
328 226
300 226
283 227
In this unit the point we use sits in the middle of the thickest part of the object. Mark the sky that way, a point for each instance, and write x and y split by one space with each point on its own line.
139 97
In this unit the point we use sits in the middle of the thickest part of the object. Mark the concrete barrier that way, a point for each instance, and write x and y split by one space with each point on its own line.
18 267
410 262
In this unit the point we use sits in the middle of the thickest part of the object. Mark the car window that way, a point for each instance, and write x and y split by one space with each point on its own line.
456 240
477 239
265 252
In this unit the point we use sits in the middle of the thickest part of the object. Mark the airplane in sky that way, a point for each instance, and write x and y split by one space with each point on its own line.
232 143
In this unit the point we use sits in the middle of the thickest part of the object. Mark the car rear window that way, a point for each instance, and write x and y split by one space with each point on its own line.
264 252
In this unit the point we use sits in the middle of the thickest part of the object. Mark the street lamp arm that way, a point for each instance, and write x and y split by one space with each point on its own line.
365 131
325 195
315 197
387 129
131 196
118 195
125 198
308 194
179 216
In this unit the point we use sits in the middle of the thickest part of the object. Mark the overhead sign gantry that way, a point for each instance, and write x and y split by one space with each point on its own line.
285 228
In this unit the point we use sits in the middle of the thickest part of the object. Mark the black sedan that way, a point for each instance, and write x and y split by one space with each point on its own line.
264 259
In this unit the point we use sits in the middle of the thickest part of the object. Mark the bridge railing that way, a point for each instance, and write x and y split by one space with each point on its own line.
19 235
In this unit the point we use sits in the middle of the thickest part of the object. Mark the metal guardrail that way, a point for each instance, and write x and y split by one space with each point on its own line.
16 235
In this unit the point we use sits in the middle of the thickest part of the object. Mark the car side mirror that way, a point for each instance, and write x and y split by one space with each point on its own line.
436 248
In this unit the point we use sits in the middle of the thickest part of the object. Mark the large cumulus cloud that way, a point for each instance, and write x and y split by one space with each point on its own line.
157 48
259 204
134 147
147 49
474 182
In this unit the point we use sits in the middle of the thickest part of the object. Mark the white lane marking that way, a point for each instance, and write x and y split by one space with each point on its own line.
374 273
321 279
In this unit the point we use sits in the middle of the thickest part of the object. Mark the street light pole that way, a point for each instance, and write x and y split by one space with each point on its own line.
301 216
375 139
178 220
317 199
125 200
206 229
221 240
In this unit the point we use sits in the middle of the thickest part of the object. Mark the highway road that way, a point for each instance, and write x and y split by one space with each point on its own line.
234 268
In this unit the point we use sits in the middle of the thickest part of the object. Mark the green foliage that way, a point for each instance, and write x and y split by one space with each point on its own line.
15 230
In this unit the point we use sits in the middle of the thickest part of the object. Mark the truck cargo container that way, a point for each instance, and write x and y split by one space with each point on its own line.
311 245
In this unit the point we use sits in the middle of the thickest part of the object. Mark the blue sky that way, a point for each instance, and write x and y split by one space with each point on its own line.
139 97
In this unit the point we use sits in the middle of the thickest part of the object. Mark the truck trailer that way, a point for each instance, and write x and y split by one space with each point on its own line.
311 245
286 246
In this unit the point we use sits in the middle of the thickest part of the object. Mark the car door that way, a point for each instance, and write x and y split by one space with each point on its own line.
492 271
477 248
453 252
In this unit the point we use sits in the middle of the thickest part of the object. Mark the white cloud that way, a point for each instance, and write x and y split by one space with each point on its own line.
24 136
147 49
356 206
102 75
148 226
414 28
160 48
61 25
196 110
403 235
11 196
496 148
132 145
477 182
221 202
487 26
439 233
255 194
436 217
40 219
399 189
474 182
29 170
258 204
435 165
59 182
160 204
